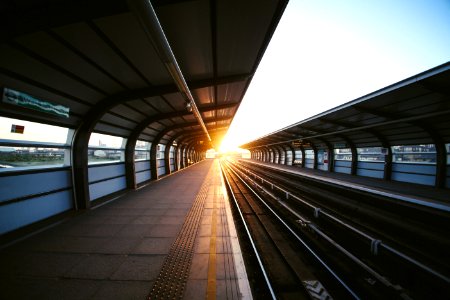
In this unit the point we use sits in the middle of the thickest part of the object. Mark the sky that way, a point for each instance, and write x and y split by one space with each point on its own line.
326 53
43 133
34 132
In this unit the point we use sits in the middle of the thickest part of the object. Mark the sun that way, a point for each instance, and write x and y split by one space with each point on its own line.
227 145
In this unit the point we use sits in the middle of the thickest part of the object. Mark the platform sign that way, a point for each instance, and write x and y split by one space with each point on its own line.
24 100
297 143
301 143
306 144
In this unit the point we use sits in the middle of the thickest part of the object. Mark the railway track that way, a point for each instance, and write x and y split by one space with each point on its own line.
408 241
333 237
290 266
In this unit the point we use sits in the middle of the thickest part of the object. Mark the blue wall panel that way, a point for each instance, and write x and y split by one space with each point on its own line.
161 171
161 167
414 168
343 163
343 166
370 173
370 169
172 165
414 173
142 165
103 188
106 171
371 165
19 214
143 172
12 187
342 170
414 178
143 176
309 163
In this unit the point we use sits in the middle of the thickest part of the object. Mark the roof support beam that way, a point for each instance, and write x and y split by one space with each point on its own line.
169 144
44 14
145 13
162 133
153 91
390 122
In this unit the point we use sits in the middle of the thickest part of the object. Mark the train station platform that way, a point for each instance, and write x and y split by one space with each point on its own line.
403 191
173 238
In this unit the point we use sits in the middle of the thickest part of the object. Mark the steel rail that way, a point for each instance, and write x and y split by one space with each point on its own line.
408 199
310 250
372 239
263 270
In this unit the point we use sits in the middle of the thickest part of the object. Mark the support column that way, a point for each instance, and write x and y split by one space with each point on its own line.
175 158
80 172
315 156
153 162
303 156
130 169
167 157
354 159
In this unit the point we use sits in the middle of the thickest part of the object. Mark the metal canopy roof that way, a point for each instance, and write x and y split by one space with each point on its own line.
413 111
95 58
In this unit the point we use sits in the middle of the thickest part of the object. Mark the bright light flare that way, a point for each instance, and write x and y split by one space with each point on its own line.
228 145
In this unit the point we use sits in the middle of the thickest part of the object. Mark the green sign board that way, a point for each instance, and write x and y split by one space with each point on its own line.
21 99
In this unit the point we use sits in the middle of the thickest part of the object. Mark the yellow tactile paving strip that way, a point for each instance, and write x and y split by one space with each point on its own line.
171 281
215 269
211 287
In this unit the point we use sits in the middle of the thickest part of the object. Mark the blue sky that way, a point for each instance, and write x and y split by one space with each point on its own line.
325 53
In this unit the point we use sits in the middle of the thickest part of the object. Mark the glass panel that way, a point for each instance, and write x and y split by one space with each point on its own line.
141 155
160 151
246 154
105 156
297 158
142 150
309 154
211 153
20 130
425 154
343 154
19 157
99 140
374 154
143 145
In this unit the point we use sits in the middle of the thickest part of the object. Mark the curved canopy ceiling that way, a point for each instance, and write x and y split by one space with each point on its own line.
97 59
413 111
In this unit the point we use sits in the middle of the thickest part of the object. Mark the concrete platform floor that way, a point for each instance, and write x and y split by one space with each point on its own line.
117 250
